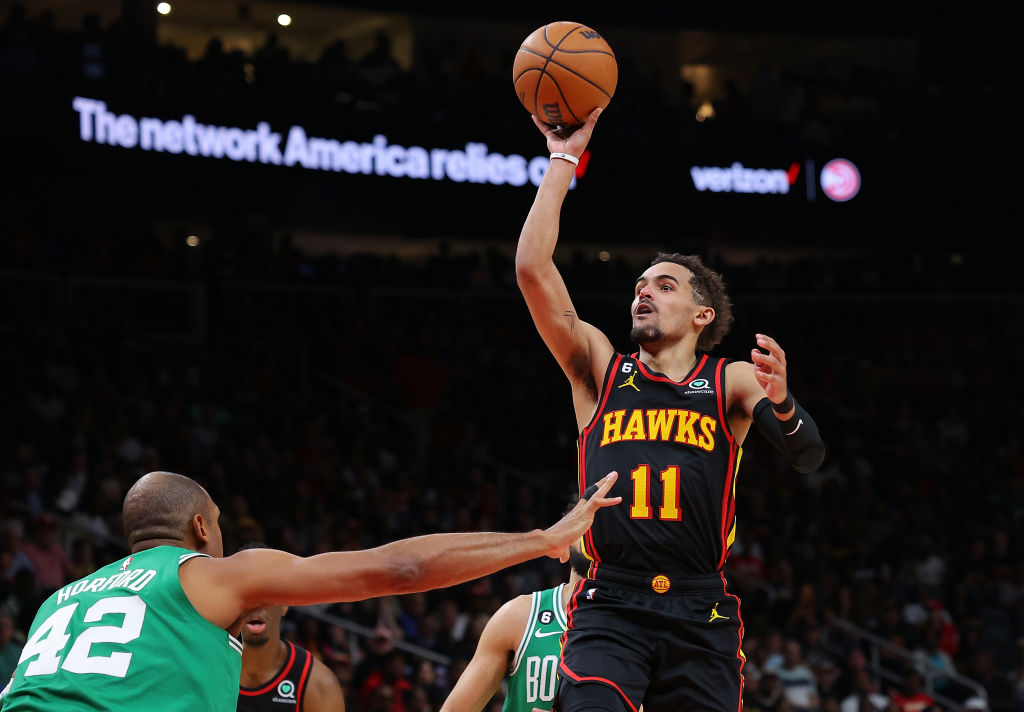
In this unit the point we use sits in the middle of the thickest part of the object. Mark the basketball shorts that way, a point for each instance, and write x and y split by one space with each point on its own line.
670 651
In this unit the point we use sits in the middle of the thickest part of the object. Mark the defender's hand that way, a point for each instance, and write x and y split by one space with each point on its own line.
574 524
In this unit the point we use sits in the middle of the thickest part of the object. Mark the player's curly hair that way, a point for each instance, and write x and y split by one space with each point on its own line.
709 290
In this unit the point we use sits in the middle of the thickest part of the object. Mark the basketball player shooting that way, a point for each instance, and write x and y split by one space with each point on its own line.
653 623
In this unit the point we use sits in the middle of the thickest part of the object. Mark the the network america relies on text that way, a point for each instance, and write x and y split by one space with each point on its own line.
473 164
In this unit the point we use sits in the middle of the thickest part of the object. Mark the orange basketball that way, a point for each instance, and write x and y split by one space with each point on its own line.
563 71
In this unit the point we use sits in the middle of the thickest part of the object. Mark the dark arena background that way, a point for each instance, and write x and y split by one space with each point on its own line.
270 245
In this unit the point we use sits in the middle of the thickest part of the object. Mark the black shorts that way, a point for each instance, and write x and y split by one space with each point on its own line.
669 651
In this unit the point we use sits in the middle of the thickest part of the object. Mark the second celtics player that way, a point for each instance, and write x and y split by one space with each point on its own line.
520 649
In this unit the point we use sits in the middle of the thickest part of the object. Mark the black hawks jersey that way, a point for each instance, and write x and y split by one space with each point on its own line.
677 462
285 691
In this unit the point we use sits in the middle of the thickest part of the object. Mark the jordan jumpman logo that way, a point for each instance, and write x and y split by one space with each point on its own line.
715 615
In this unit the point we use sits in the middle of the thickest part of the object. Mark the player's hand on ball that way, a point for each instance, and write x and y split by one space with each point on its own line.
569 139
575 524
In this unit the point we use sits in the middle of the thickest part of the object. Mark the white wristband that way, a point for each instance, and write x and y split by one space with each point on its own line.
566 157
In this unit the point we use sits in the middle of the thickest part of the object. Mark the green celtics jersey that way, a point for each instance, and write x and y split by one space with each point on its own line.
533 675
126 638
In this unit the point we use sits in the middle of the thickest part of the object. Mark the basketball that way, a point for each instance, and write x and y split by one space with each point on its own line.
563 71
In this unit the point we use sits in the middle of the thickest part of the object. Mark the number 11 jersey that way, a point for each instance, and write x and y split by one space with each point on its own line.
677 461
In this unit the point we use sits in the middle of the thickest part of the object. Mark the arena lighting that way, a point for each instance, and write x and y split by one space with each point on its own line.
164 8
705 111
284 19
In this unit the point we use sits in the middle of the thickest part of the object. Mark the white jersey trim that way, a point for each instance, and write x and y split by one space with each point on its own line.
527 632
185 557
556 602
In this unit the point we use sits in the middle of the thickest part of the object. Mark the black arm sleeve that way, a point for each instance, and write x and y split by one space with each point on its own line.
797 438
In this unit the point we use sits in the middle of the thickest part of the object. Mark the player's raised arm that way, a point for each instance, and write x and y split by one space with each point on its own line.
221 589
580 349
762 389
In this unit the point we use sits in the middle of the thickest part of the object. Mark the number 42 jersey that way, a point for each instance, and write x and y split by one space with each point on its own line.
677 460
126 638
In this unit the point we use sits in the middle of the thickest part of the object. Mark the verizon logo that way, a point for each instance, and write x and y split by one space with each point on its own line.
739 179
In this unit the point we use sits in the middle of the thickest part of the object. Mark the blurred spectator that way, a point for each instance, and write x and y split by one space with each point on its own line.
801 688
911 697
453 625
892 629
390 672
83 561
772 655
427 687
855 664
1017 676
765 695
10 649
976 704
15 559
22 600
308 635
383 699
375 649
804 612
998 690
932 660
410 618
827 677
50 561
814 651
379 74
865 696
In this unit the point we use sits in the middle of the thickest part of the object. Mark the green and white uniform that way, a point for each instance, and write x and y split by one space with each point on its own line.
126 638
532 679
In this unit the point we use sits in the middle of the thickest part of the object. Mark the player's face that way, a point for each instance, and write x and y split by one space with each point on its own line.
662 303
262 625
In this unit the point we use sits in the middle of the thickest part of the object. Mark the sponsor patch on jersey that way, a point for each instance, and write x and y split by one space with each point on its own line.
660 583
699 385
285 692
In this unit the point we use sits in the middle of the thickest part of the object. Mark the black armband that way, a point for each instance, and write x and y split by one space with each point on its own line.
786 405
797 438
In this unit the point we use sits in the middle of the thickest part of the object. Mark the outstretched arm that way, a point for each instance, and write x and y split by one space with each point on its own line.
580 349
498 643
761 389
221 589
